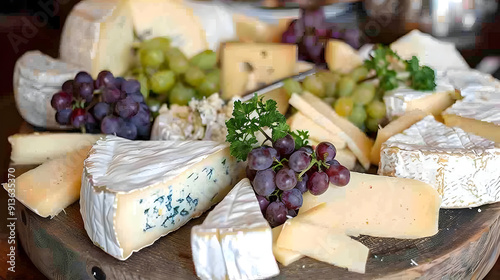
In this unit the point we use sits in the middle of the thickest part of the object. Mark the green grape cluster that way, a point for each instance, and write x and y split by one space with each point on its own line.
168 76
350 95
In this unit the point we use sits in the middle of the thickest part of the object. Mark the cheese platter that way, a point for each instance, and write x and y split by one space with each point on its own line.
197 153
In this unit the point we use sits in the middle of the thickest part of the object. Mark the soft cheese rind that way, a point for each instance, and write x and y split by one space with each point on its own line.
134 192
461 166
234 241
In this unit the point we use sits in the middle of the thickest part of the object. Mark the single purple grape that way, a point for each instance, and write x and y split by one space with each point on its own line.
131 86
86 91
126 107
143 116
317 183
263 183
78 117
299 160
68 87
286 179
263 203
83 77
101 110
285 145
61 100
105 79
110 124
111 95
292 199
325 151
338 175
63 116
127 130
260 158
276 213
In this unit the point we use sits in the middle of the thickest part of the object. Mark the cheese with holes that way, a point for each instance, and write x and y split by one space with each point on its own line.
172 19
283 256
52 186
478 113
396 126
247 66
37 148
462 167
402 100
134 192
323 114
98 35
234 241
317 133
37 77
324 244
341 57
377 206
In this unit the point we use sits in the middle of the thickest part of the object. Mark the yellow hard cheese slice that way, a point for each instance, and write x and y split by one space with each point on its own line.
323 244
317 133
395 127
247 66
253 30
486 130
377 206
341 57
52 186
322 114
283 256
37 148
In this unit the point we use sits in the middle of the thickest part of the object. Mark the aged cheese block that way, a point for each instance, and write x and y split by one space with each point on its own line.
37 148
247 66
377 206
52 186
462 167
341 57
396 126
172 19
478 113
317 133
283 256
253 30
323 114
98 35
134 192
37 77
324 244
234 241
402 100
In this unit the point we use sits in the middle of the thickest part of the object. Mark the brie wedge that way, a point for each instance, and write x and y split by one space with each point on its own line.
462 167
134 192
234 241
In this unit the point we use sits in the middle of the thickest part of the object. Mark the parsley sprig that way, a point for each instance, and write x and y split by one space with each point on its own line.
391 70
251 117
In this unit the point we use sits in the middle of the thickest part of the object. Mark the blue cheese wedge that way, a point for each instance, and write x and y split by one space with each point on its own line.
234 241
134 192
462 167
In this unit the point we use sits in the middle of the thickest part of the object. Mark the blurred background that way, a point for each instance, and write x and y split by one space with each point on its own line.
472 25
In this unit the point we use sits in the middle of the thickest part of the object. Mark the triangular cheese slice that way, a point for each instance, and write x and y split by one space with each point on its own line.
234 241
321 113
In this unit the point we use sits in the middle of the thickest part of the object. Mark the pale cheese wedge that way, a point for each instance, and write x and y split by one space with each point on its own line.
52 186
283 256
341 57
322 114
324 244
299 121
377 206
395 127
253 30
36 148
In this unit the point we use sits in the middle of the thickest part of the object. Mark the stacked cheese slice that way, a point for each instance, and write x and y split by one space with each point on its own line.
234 241
462 167
37 77
134 192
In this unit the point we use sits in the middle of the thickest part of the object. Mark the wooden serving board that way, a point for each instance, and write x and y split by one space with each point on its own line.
466 247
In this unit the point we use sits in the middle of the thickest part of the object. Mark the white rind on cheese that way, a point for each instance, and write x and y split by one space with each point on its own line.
98 35
234 241
134 192
473 79
37 77
462 167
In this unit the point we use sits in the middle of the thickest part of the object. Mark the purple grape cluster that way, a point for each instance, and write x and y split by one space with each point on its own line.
108 104
281 174
311 32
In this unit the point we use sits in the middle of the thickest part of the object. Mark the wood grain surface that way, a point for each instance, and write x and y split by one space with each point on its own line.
466 247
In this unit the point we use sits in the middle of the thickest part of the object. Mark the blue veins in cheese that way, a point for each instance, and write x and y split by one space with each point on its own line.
134 192
234 241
